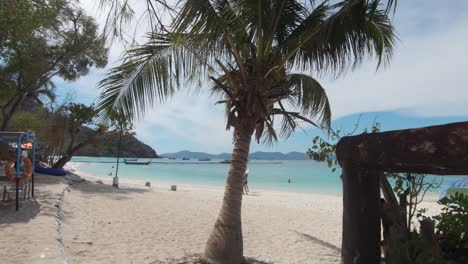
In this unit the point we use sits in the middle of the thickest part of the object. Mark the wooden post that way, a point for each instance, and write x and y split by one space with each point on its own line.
441 150
404 212
17 193
32 185
361 215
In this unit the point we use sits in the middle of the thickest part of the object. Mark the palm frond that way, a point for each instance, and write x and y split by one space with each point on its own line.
307 24
203 17
220 88
288 19
310 97
150 74
218 22
269 134
121 14
249 49
355 30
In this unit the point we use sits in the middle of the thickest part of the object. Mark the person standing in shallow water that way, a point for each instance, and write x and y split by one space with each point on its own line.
246 187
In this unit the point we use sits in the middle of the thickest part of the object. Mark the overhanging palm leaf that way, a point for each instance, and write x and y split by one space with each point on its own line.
355 30
310 97
151 73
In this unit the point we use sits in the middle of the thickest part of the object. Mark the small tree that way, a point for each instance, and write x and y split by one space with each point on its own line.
324 150
412 188
453 227
79 115
121 124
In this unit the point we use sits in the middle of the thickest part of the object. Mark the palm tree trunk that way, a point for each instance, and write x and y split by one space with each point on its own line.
225 245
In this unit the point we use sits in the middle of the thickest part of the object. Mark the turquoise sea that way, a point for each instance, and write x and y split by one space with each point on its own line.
305 175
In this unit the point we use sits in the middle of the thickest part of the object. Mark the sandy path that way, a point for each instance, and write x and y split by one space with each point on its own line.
29 235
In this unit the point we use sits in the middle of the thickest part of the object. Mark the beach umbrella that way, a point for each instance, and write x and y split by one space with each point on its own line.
461 183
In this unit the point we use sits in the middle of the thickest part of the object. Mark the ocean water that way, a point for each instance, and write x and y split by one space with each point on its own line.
305 175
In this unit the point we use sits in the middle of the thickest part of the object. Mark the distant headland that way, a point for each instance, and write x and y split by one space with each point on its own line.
259 155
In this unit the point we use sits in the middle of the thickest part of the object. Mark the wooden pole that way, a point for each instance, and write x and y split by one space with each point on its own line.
403 211
441 150
34 167
17 193
32 185
361 215
116 177
18 164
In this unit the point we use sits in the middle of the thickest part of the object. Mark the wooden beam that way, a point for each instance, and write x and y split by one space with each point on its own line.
361 215
441 150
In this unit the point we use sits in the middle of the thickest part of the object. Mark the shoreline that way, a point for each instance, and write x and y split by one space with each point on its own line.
158 185
432 195
73 167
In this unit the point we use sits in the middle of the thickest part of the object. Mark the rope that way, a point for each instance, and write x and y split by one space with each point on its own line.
58 219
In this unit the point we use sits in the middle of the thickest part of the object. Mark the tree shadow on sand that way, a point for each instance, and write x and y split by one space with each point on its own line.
94 188
319 241
197 259
28 211
43 204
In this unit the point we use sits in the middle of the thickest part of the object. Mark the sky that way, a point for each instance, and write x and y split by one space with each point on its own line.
425 84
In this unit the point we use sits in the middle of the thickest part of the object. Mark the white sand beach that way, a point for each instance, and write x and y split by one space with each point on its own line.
137 224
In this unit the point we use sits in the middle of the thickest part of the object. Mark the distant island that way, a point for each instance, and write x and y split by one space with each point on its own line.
259 155
106 146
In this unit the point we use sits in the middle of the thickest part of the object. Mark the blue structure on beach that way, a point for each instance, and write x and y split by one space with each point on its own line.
18 139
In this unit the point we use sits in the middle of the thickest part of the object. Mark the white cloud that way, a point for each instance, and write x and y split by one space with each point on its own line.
426 77
188 117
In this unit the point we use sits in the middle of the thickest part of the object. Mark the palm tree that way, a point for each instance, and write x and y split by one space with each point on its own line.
259 56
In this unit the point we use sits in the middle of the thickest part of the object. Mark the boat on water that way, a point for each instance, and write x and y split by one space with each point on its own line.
225 161
137 162
185 158
204 159
172 158
130 159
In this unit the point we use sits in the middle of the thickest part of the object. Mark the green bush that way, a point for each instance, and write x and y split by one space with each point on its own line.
453 226
453 191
